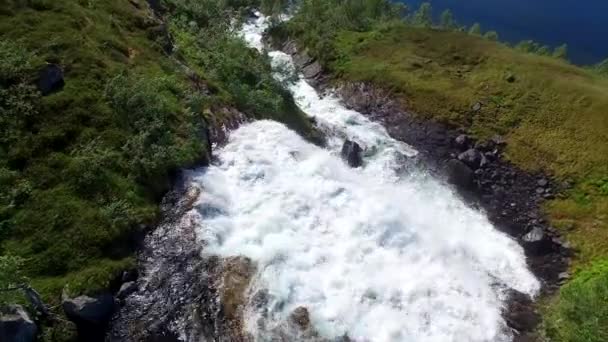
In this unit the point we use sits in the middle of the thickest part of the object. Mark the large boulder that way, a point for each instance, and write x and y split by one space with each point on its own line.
460 175
50 79
90 314
352 153
473 158
16 325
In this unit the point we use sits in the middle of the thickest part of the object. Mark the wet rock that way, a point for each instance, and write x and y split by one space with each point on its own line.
300 318
16 325
352 153
459 174
236 275
472 158
90 314
521 315
126 289
50 79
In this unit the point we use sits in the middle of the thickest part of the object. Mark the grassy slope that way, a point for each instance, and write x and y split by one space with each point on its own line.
87 172
61 233
554 115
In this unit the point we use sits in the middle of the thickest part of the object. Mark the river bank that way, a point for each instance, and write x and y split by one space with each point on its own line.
511 198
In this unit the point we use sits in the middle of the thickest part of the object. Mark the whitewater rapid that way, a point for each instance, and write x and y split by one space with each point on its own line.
370 252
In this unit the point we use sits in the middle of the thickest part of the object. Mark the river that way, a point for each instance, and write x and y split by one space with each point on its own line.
371 252
581 25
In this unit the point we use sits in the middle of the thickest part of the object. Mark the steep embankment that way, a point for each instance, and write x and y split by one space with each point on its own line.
552 115
101 103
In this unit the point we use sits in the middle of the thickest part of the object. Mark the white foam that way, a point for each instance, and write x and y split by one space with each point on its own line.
370 254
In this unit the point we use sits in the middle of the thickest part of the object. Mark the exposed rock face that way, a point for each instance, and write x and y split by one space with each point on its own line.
91 315
16 325
352 153
181 294
50 79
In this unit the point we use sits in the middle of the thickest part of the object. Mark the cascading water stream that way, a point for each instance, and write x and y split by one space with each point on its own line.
369 252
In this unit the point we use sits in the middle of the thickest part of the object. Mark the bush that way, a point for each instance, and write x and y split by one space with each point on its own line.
580 313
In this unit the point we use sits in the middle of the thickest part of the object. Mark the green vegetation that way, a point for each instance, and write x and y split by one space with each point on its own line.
83 169
580 313
553 114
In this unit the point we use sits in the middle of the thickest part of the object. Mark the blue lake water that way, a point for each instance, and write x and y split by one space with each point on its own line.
583 25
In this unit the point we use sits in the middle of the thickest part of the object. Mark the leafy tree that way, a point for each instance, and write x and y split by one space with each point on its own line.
423 17
475 29
561 51
447 20
491 35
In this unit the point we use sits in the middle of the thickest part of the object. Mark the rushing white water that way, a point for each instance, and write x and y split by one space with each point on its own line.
370 254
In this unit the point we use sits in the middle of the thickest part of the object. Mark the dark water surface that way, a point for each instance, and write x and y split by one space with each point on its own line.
583 25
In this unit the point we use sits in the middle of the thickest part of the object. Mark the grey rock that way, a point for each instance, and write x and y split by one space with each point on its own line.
471 157
535 235
89 310
459 174
476 107
50 79
312 70
16 325
126 289
462 141
352 153
542 182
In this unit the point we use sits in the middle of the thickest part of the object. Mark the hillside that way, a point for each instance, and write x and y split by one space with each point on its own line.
101 103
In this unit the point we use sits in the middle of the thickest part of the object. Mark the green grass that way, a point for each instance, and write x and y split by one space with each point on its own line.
580 313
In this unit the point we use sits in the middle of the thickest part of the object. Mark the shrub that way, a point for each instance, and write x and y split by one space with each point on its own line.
580 313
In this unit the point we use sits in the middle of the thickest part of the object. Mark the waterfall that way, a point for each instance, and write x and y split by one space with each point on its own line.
373 252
